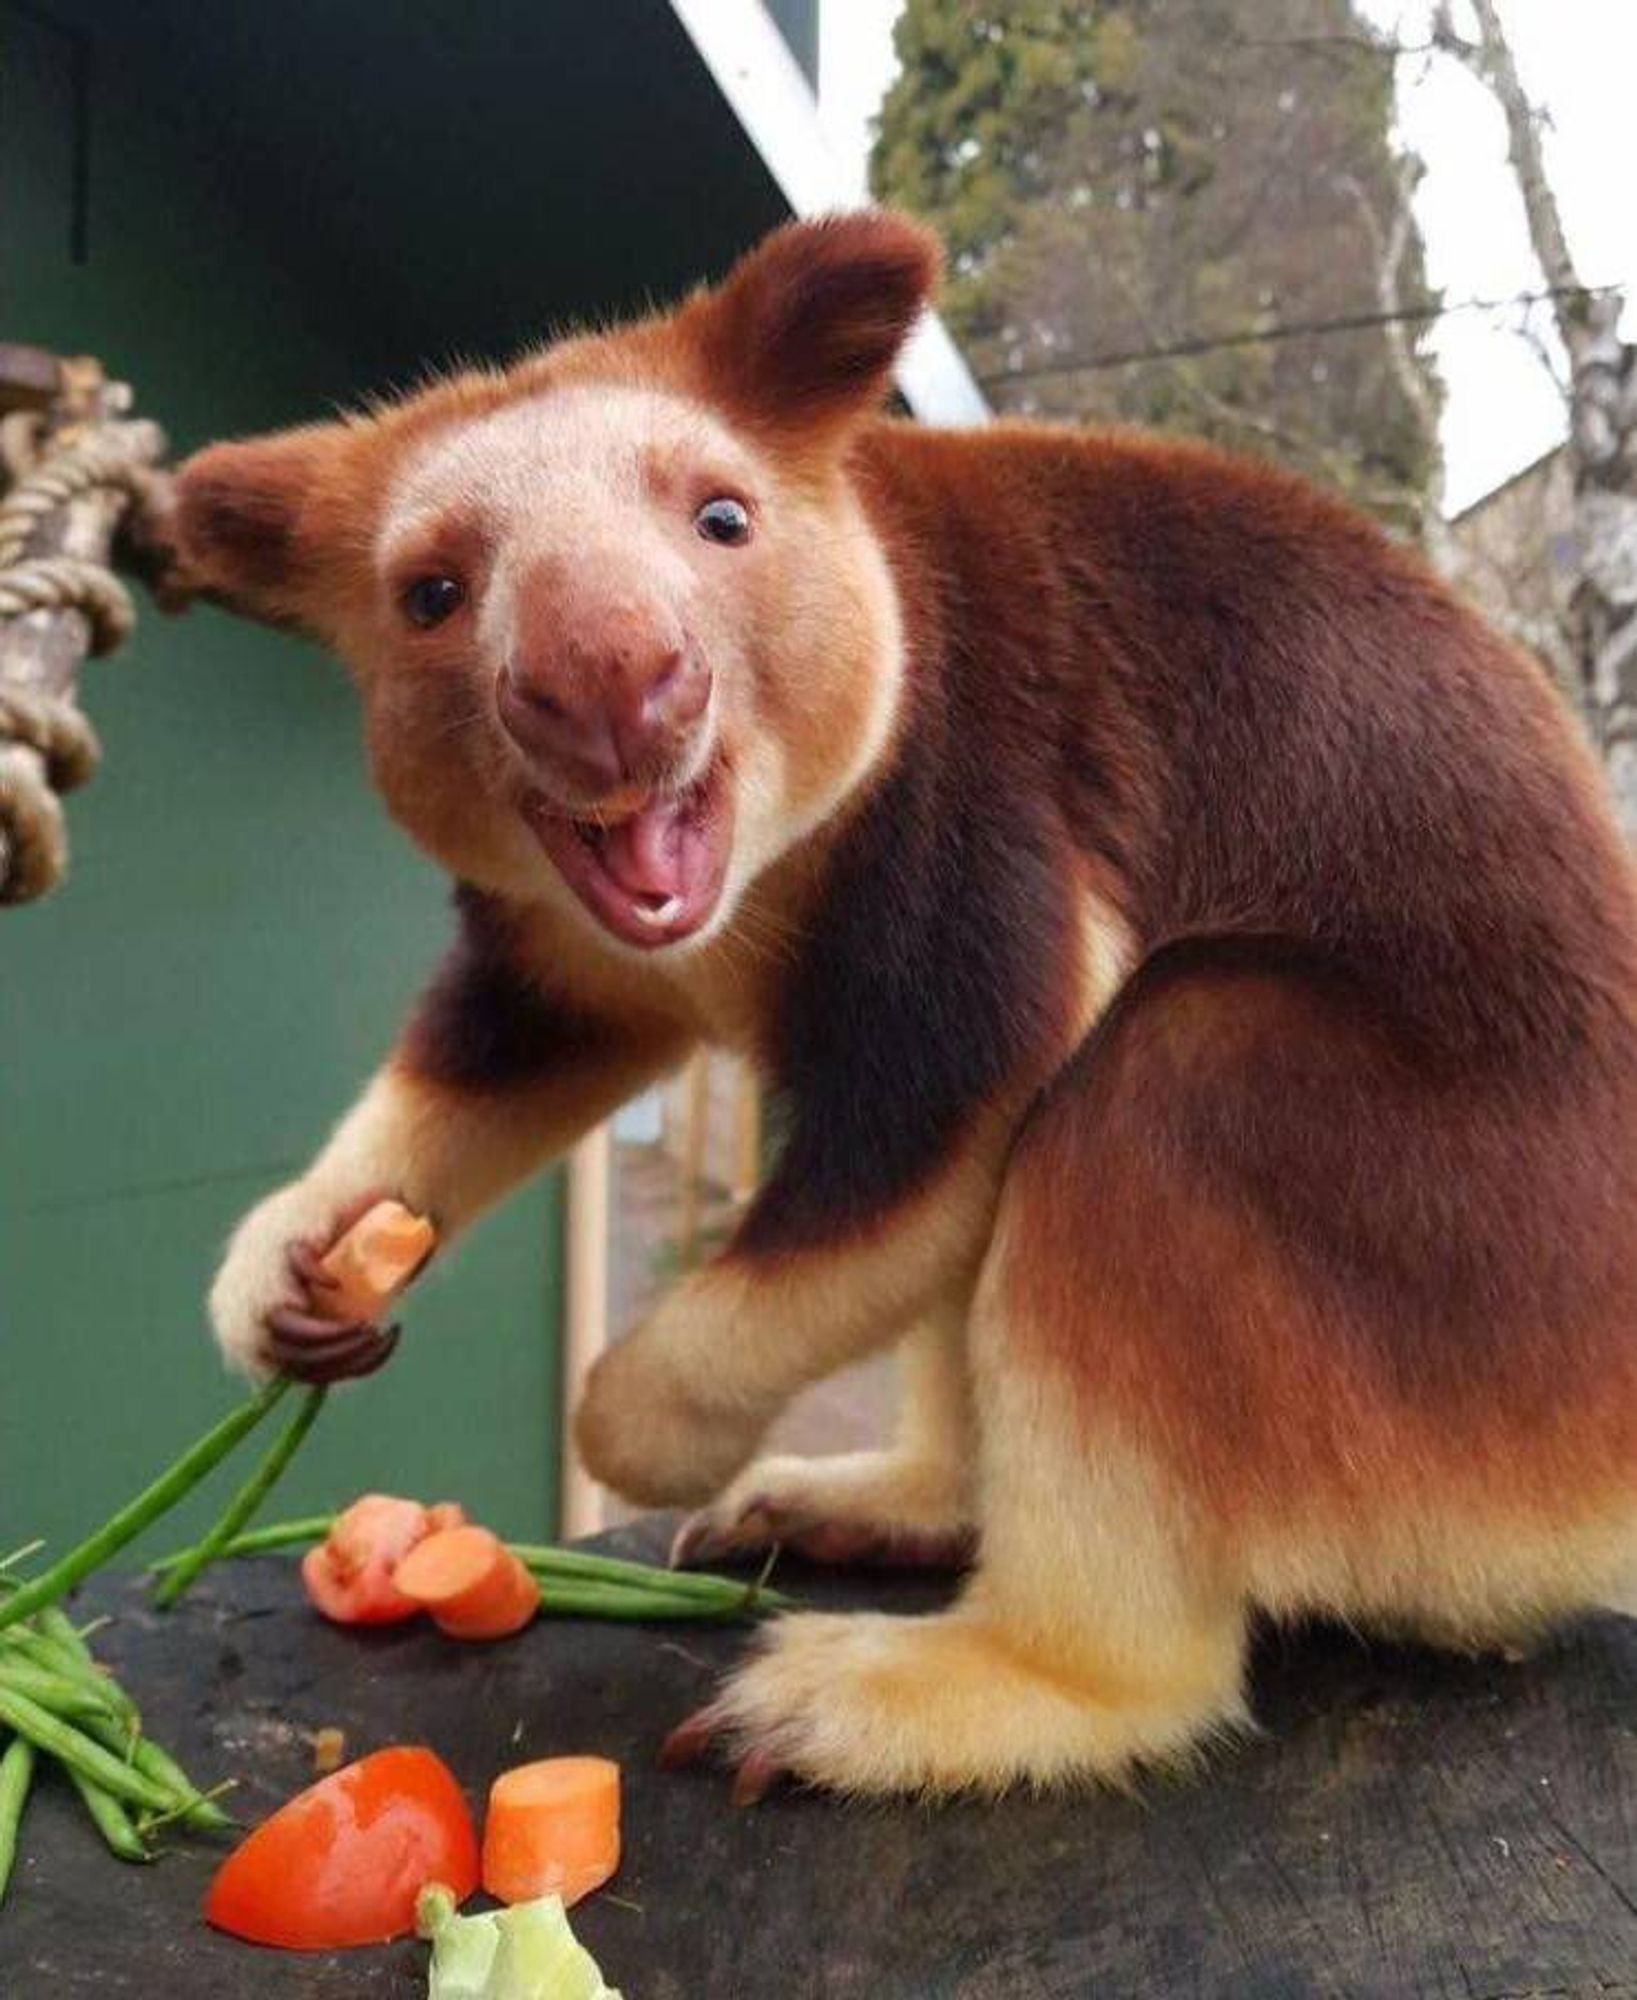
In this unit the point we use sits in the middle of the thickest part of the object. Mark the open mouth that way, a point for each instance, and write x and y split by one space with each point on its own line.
654 876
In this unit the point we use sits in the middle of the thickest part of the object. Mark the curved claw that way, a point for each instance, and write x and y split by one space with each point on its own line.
308 1342
308 1332
690 1741
702 1539
706 1537
385 1346
320 1351
759 1771
306 1264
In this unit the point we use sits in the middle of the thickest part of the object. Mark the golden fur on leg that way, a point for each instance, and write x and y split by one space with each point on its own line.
1095 1637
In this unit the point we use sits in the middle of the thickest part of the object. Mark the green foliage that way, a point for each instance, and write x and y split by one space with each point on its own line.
1115 176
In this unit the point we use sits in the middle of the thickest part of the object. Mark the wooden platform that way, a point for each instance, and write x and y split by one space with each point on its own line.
1407 1825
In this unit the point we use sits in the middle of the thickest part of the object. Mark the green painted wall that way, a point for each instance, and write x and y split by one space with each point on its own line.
242 928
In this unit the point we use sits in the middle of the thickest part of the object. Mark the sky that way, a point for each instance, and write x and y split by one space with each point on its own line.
1578 59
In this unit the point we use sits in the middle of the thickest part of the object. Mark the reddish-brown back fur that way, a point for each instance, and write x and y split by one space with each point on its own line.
1337 1205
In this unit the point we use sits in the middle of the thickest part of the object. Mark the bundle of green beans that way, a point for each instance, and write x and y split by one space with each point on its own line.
58 1704
56 1701
573 1582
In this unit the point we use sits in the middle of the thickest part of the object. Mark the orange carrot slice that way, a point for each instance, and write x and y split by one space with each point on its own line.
553 1829
472 1584
374 1260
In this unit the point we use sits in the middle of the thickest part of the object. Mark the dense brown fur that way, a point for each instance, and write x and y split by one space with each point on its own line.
1196 955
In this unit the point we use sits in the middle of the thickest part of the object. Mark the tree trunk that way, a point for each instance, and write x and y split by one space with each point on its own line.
1602 442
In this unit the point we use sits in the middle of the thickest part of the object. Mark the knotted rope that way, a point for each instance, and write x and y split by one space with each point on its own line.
46 744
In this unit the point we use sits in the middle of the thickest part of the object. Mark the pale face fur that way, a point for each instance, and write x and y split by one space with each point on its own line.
594 488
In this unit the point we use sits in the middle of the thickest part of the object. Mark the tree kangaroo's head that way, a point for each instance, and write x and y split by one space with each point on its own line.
621 629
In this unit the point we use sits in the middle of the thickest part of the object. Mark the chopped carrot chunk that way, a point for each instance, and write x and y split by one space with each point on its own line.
553 1829
374 1260
473 1585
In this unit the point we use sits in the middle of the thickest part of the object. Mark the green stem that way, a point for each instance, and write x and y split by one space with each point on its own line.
74 1748
259 1541
245 1502
201 1811
109 1818
16 1775
205 1802
158 1498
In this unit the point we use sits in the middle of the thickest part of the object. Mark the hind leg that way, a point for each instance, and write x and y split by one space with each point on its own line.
1095 1635
908 1505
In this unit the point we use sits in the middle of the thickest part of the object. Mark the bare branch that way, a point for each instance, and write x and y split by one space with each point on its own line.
1538 344
1491 60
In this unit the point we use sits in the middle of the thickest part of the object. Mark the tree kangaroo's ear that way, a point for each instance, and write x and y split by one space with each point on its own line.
803 331
250 519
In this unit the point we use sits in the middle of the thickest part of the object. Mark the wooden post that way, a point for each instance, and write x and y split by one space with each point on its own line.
695 1115
747 1135
585 1314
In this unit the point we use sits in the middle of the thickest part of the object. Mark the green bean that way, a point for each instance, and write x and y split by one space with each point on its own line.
109 1818
54 1657
574 1598
146 1755
259 1541
245 1502
158 1498
16 1775
722 1592
56 1624
63 1694
80 1753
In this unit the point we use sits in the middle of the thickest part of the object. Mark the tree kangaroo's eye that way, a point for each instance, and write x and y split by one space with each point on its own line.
724 520
429 600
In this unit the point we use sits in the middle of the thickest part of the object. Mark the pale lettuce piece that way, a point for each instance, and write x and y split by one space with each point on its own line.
525 1953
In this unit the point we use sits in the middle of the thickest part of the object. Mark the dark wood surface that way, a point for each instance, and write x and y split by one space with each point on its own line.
1406 1825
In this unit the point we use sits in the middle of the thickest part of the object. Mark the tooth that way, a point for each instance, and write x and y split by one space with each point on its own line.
661 913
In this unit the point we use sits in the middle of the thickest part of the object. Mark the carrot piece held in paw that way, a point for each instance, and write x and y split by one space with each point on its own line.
345 1860
349 1576
553 1829
365 1269
472 1584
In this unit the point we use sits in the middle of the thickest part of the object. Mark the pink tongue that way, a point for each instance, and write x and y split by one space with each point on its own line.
649 853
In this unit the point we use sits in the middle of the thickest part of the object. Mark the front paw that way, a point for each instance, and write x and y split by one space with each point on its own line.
266 1304
648 1428
888 1508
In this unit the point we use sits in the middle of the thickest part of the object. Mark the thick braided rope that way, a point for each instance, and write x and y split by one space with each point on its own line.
56 729
70 583
43 485
60 583
33 845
